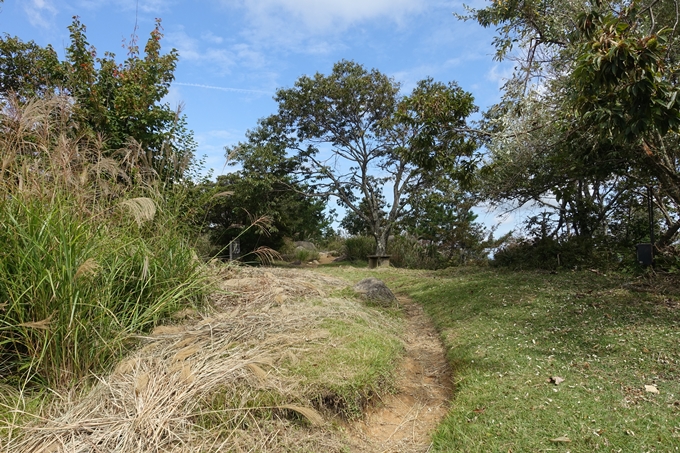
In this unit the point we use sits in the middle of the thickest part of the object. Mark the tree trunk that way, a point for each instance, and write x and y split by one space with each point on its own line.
661 165
381 244
668 236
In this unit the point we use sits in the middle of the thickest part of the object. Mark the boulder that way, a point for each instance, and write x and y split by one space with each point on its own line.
376 291
305 245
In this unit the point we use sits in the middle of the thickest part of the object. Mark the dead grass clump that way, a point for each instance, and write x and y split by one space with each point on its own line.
225 382
243 285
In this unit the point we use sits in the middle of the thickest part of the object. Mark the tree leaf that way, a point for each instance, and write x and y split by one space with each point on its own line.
556 380
561 439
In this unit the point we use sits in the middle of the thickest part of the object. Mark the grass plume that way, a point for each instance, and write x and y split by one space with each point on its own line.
78 277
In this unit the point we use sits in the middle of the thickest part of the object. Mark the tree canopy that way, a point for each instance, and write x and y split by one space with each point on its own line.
590 117
351 135
120 103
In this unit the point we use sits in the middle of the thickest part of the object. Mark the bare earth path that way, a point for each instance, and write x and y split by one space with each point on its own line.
404 421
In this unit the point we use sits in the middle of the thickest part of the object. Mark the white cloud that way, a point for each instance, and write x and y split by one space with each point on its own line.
500 73
229 89
315 27
40 12
327 15
174 97
145 6
248 56
191 49
211 37
208 51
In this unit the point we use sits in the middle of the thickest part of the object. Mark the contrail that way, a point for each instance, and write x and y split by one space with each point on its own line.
211 87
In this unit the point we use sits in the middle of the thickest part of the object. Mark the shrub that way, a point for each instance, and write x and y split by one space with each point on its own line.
86 262
407 252
303 254
359 247
552 253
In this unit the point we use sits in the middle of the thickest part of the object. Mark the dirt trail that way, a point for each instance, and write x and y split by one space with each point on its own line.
403 422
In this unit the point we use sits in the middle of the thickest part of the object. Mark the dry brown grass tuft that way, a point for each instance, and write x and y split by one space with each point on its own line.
199 387
247 286
41 151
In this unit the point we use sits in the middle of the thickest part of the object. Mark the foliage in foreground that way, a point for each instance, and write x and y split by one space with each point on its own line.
89 257
122 102
268 372
508 333
590 121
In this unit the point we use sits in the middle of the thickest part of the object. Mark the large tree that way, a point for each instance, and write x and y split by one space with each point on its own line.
119 102
356 138
262 192
590 114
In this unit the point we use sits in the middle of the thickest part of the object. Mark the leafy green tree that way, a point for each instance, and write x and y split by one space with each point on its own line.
443 219
590 115
625 91
353 137
262 192
120 102
28 70
355 224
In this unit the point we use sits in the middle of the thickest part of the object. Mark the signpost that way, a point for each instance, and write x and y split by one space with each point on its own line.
645 252
234 249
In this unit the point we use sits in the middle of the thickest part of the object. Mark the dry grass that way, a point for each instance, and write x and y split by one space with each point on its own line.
248 286
219 383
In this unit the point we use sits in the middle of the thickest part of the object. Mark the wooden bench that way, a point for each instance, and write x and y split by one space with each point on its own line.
378 261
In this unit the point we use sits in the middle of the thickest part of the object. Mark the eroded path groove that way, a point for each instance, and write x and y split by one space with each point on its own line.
403 421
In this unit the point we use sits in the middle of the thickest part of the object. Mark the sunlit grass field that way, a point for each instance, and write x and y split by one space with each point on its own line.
572 362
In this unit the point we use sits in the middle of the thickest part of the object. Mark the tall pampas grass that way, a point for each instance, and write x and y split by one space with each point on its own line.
88 259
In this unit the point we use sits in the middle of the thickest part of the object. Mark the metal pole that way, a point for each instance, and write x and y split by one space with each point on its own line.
650 206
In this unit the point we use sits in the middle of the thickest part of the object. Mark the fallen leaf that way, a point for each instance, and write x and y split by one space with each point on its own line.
556 380
563 439
479 410
310 414
651 389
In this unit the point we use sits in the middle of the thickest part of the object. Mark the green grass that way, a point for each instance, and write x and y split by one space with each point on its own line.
508 333
353 365
75 290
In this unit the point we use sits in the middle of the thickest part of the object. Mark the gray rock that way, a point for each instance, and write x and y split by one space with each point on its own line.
305 245
376 291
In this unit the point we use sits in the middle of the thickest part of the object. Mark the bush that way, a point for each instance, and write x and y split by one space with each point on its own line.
291 252
333 244
357 248
86 262
551 253
407 252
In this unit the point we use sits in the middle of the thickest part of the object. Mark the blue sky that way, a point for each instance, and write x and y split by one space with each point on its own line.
233 54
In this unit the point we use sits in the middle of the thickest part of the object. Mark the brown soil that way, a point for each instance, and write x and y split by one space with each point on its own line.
404 421
326 258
